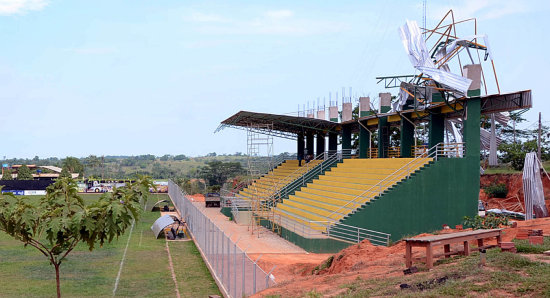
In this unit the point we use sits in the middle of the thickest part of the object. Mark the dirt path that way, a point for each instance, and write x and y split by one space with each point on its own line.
266 243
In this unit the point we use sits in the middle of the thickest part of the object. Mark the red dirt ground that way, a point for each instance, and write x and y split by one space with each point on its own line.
364 260
294 272
515 191
197 197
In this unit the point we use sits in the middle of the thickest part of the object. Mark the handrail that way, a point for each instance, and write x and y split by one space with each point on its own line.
330 158
275 188
379 184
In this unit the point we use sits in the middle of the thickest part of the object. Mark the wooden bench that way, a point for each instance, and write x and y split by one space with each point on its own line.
429 242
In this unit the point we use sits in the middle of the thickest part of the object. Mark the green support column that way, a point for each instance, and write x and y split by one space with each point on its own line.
332 142
436 129
472 130
300 152
364 142
346 140
320 143
407 138
383 137
309 143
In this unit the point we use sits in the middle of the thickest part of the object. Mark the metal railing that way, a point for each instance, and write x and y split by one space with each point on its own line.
404 171
235 272
292 182
337 230
394 151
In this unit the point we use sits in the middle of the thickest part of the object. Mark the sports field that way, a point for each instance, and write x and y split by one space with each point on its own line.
145 272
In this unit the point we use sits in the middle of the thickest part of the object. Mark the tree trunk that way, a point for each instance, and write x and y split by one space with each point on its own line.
57 280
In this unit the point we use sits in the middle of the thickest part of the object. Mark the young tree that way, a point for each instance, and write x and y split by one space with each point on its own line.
24 173
62 220
7 174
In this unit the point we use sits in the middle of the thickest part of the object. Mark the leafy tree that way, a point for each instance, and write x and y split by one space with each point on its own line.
166 157
7 174
24 173
181 157
73 165
514 153
65 173
92 162
61 220
216 172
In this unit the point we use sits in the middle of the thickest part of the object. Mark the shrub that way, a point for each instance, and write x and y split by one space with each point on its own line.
496 190
491 221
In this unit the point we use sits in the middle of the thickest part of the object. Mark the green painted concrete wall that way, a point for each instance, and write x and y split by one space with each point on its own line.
326 245
442 193
226 211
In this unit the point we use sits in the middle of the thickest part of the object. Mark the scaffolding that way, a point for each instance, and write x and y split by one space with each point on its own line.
260 160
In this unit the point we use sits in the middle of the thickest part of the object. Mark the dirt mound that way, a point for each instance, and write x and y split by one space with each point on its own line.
357 257
514 201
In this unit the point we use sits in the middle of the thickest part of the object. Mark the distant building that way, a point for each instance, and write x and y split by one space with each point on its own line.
53 172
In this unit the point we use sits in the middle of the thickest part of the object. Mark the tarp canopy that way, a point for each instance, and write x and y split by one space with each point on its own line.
161 223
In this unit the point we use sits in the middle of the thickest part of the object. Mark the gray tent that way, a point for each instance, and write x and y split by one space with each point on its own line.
161 223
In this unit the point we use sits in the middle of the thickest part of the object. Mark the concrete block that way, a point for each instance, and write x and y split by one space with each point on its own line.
473 72
333 113
321 115
364 106
346 111
385 101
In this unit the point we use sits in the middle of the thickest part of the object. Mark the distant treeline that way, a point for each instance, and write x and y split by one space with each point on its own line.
158 167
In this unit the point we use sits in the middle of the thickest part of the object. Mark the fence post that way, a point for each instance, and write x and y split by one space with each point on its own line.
223 240
216 253
358 236
243 289
254 279
235 269
228 265
267 277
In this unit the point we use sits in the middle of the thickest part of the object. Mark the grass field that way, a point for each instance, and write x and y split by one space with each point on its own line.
505 169
24 272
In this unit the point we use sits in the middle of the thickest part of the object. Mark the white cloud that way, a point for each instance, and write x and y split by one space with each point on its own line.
10 7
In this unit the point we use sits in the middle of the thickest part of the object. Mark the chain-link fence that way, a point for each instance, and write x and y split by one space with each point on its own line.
238 274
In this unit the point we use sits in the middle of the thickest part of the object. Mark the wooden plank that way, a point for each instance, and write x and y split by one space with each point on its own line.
480 233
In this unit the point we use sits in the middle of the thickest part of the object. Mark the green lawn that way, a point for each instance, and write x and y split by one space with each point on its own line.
24 272
506 169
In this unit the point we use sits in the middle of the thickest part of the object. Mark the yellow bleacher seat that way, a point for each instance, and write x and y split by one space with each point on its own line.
345 188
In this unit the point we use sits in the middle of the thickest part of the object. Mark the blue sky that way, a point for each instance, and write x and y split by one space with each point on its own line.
138 77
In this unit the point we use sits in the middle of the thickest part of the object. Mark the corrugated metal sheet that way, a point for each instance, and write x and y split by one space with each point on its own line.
532 187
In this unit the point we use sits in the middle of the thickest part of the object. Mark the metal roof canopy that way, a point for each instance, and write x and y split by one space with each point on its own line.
284 126
161 223
493 103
